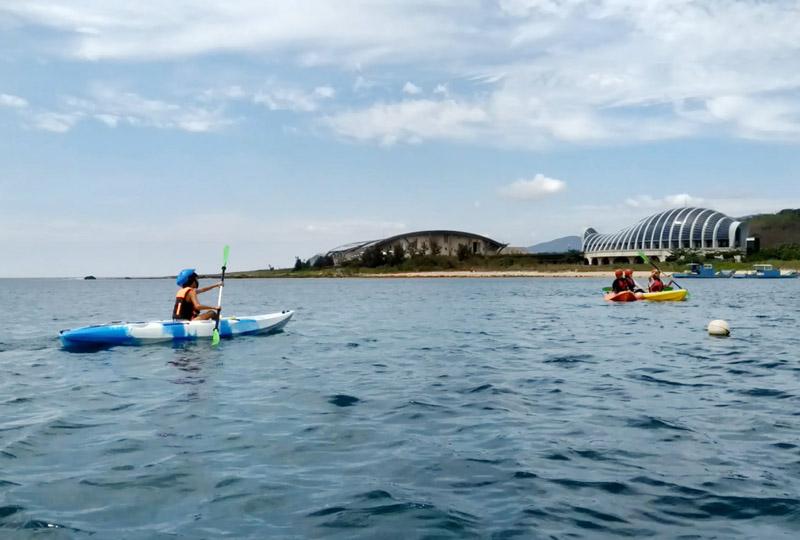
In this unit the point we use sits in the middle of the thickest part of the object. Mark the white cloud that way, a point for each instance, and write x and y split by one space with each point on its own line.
538 187
411 89
54 122
113 107
15 102
108 119
441 89
231 92
669 201
291 99
767 117
541 71
325 92
410 121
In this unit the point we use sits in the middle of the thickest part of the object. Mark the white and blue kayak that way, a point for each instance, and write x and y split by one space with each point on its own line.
143 333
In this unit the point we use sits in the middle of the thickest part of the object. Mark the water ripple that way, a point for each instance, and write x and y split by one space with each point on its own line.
405 408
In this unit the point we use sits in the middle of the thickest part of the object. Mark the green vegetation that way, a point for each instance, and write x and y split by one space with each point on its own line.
502 263
777 230
397 260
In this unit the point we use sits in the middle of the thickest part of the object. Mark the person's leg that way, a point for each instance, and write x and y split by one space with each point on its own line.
206 315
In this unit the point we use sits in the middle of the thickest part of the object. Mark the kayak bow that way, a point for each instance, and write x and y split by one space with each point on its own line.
666 296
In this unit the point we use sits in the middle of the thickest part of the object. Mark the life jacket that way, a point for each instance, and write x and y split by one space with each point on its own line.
620 284
656 285
184 308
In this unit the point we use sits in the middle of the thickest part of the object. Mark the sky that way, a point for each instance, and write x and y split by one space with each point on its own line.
138 138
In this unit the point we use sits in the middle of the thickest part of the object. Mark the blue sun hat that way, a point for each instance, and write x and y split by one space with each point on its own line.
184 276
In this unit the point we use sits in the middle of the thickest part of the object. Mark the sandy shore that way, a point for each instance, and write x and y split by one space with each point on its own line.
505 274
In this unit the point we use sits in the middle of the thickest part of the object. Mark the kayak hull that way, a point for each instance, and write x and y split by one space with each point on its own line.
143 333
622 296
677 295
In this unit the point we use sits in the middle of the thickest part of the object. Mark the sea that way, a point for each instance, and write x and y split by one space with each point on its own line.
405 408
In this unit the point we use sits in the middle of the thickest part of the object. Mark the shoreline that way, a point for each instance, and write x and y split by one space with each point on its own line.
466 274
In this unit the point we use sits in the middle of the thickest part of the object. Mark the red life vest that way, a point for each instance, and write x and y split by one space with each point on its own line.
184 308
620 284
656 285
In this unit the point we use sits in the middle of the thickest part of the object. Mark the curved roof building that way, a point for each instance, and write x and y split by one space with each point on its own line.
700 229
439 242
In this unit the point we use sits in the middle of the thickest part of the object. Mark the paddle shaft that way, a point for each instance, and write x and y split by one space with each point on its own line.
651 263
219 300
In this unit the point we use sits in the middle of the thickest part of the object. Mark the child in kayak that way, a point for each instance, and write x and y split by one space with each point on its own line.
187 306
620 284
654 283
632 285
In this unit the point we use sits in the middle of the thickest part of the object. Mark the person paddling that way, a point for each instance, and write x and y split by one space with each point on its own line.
632 285
654 283
187 306
620 283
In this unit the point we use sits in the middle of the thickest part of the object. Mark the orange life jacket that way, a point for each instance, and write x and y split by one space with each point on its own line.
184 308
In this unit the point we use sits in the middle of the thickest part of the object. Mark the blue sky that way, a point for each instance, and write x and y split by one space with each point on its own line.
139 138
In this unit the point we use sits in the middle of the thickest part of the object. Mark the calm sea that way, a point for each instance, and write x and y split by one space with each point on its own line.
472 408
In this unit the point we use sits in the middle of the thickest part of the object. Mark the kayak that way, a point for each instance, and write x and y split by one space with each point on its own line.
143 333
622 296
666 296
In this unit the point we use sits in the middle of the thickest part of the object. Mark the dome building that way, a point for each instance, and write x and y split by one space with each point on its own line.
698 229
423 243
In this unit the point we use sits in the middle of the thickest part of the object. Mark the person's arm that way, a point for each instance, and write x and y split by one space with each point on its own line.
196 303
210 287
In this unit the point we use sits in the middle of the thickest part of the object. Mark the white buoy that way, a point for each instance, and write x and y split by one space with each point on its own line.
718 327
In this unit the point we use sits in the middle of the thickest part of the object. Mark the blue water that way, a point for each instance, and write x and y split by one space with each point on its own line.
473 408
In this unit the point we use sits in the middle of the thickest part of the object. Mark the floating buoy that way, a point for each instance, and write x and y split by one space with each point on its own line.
719 327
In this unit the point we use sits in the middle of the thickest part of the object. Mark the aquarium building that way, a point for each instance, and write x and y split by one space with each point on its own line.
421 243
658 236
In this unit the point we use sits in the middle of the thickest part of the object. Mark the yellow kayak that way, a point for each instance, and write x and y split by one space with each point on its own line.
666 296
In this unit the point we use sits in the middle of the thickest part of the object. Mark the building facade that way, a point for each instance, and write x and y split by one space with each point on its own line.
445 243
658 236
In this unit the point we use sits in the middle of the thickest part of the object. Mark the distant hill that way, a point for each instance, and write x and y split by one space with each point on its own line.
559 245
776 230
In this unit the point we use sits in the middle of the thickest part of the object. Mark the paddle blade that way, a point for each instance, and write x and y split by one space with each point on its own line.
225 253
215 337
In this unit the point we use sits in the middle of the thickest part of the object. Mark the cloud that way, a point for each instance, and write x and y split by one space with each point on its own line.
669 201
768 117
354 32
289 99
54 122
409 121
542 72
113 108
530 190
411 89
14 102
